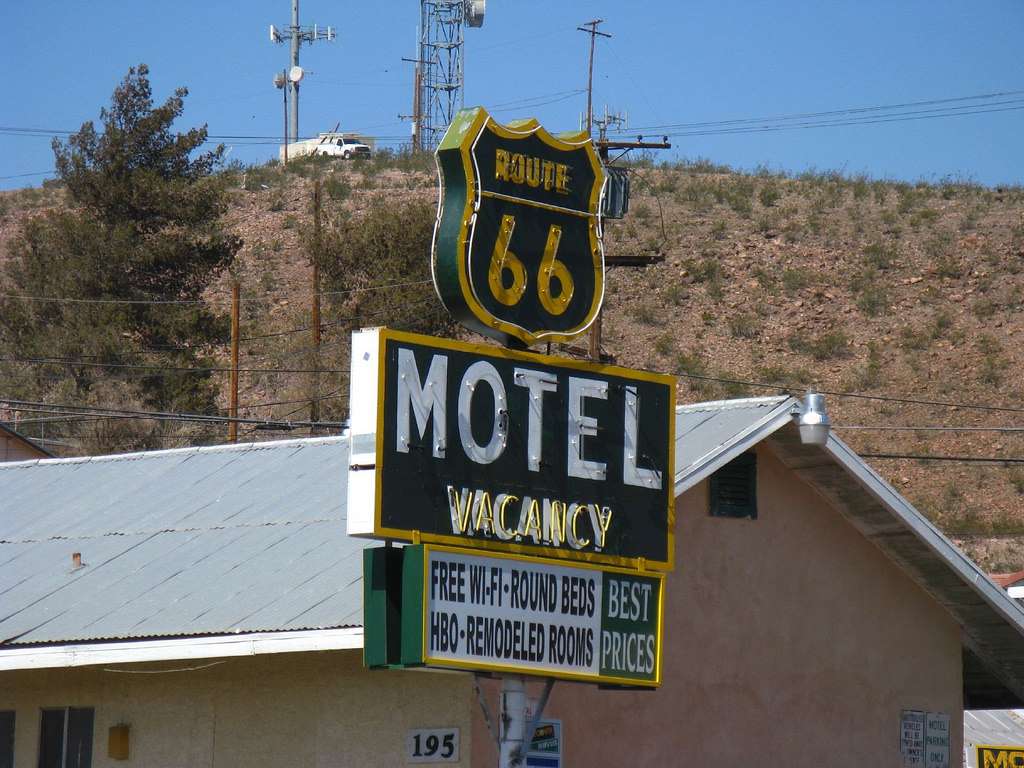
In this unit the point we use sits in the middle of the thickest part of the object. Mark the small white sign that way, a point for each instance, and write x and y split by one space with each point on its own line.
912 737
432 745
936 740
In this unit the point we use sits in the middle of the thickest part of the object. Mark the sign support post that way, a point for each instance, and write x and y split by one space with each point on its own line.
513 721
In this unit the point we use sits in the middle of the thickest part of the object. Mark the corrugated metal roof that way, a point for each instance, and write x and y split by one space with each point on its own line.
214 540
710 434
996 727
193 541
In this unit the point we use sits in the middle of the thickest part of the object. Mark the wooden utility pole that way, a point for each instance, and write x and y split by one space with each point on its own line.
417 104
233 407
591 29
314 399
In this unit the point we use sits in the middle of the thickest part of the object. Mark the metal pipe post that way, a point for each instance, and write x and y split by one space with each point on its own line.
513 721
296 39
233 404
284 90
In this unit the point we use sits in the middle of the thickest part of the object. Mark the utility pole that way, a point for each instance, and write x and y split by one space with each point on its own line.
416 117
591 29
233 407
296 36
314 399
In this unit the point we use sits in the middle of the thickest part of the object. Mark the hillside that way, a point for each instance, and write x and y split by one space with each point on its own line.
914 292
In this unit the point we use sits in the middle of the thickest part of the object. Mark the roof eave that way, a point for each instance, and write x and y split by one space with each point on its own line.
776 418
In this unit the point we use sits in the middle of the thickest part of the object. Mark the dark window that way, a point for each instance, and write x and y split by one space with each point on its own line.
6 740
65 738
734 488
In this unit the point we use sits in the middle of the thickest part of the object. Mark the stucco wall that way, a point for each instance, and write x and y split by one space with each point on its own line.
315 710
790 640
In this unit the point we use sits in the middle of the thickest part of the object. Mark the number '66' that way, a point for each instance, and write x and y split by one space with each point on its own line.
504 260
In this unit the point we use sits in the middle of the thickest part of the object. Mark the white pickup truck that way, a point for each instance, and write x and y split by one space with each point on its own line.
329 144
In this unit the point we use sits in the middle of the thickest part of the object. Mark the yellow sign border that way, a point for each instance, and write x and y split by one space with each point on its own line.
514 670
400 534
1000 747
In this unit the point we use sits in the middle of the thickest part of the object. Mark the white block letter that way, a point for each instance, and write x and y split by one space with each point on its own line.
631 473
581 426
538 382
479 372
425 399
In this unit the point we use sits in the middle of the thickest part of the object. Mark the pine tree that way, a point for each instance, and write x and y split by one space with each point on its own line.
141 239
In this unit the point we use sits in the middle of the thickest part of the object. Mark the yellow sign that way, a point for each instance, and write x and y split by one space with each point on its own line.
1000 757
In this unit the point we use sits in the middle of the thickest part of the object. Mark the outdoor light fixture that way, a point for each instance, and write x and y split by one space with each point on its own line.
813 419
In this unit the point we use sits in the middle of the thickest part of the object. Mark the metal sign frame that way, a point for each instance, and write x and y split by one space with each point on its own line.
645 517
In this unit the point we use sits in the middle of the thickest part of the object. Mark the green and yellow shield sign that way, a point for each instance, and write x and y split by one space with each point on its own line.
517 247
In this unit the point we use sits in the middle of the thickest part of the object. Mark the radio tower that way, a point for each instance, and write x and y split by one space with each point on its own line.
296 36
439 66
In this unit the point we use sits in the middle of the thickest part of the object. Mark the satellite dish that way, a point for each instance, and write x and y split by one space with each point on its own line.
475 12
279 80
275 36
295 74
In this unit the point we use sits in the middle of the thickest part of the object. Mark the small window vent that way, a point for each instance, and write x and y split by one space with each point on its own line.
734 488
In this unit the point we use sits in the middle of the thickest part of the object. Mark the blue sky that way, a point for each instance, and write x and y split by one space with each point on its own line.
668 62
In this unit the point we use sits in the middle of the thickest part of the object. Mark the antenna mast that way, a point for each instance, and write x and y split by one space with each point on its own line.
439 65
296 36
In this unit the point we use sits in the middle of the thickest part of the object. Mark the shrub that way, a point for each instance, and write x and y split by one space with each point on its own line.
822 347
644 313
664 344
879 255
337 187
984 308
769 195
794 280
743 325
786 378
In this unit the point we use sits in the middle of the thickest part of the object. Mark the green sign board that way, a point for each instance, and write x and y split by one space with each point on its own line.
510 451
517 247
462 609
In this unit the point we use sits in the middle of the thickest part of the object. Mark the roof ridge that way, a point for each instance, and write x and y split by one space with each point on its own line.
174 529
734 404
192 449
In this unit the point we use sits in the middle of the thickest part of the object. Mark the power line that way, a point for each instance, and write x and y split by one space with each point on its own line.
25 175
880 428
28 406
835 112
190 302
839 124
788 389
160 368
931 457
335 395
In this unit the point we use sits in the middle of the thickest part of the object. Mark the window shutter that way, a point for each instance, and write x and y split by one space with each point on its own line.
79 738
51 739
734 488
7 739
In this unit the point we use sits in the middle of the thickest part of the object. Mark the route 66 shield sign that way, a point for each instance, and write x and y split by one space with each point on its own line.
517 251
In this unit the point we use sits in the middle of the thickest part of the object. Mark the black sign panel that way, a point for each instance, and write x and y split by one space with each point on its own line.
513 451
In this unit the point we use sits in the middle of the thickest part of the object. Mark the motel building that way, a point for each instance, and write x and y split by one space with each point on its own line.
203 607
